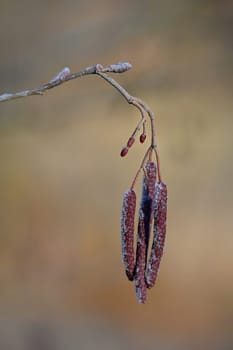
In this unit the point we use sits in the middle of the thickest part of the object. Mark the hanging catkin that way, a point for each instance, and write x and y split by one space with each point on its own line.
127 232
160 216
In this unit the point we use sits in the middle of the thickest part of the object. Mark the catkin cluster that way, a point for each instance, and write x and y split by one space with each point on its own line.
142 262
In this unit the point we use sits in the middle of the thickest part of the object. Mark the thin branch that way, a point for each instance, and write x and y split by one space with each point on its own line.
137 102
63 76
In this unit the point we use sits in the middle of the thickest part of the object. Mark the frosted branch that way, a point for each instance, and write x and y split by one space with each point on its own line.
65 75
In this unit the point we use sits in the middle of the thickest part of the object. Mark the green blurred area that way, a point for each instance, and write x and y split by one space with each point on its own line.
62 284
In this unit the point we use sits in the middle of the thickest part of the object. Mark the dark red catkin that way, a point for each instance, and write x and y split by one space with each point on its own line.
160 216
127 232
151 176
139 275
148 192
144 226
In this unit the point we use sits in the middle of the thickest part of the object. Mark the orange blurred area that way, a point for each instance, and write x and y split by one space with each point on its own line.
62 282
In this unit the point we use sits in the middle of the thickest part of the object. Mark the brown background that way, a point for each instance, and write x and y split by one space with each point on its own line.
62 284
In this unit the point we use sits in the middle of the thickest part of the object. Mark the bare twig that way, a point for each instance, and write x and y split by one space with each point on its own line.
63 76
143 108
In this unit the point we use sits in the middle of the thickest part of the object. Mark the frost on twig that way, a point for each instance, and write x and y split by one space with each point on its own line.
61 75
65 75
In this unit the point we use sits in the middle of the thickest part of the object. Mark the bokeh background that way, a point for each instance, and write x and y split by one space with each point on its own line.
62 284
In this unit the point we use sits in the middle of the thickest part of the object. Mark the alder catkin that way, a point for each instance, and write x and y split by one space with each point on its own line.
139 275
127 232
160 216
151 179
144 226
148 190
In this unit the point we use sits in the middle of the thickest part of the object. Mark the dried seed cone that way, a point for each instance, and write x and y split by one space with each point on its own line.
160 216
139 276
127 232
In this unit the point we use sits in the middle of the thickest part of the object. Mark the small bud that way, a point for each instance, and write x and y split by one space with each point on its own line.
130 141
99 67
120 67
124 151
61 75
142 138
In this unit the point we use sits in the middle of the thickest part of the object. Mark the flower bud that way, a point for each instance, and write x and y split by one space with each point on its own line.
124 151
130 141
142 138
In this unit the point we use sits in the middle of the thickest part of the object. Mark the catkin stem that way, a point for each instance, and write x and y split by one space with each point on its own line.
148 153
158 165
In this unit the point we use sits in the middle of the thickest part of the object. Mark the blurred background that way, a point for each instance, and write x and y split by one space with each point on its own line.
62 283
